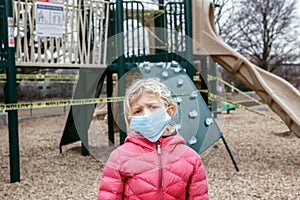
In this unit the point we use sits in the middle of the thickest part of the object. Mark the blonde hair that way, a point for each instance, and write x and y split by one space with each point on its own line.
150 85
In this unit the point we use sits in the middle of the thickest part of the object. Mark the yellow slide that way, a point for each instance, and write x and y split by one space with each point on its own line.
280 95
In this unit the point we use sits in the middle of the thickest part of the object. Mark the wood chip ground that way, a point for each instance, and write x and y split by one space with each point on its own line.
267 154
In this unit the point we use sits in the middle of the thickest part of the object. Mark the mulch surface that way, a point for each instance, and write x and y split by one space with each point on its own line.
266 152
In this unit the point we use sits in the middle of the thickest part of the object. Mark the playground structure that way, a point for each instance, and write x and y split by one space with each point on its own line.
280 95
95 44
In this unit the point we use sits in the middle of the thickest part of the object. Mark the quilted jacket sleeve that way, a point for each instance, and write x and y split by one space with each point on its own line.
112 183
198 188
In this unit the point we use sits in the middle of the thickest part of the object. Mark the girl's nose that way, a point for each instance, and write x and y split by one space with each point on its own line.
147 112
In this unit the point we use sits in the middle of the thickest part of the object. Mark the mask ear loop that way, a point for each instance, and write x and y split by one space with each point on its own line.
176 122
170 128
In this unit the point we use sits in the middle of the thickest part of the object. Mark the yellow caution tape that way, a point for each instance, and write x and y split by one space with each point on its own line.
28 81
210 77
68 77
73 102
43 104
213 96
43 76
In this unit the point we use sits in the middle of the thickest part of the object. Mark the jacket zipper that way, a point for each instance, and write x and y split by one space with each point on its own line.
161 167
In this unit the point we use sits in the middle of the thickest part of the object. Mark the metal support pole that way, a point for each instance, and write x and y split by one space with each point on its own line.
189 35
213 86
230 154
110 117
83 124
159 23
11 94
121 67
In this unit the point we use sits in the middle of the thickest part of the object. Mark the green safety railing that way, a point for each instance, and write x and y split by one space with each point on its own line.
133 23
175 25
7 57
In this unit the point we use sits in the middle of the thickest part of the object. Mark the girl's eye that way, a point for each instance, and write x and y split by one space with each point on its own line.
137 112
154 107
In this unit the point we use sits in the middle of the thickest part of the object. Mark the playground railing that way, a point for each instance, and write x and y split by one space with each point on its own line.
83 39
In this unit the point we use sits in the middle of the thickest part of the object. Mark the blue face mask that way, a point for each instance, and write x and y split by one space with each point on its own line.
150 126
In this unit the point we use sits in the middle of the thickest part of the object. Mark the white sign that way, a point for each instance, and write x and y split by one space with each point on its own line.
49 19
11 38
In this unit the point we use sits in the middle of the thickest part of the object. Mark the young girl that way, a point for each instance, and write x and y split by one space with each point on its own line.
154 162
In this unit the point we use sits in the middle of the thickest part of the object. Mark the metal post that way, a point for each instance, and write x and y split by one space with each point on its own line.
121 66
83 124
110 117
189 35
230 154
213 86
11 94
159 23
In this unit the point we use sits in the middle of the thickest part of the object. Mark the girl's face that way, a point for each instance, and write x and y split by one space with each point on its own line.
146 104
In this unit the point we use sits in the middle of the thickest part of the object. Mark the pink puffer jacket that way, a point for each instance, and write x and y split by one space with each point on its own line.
140 169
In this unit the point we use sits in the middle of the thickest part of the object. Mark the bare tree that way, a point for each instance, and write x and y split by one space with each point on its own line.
222 13
262 30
